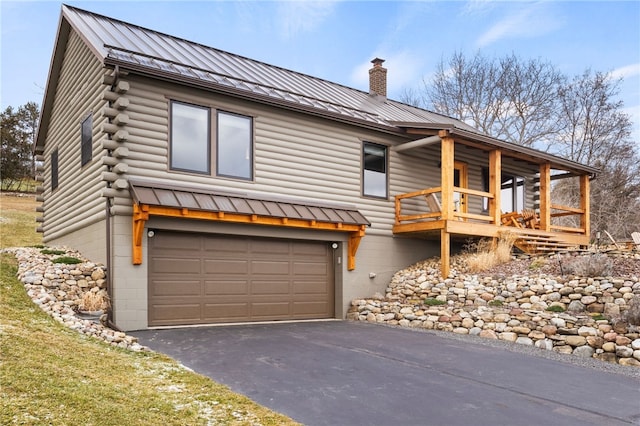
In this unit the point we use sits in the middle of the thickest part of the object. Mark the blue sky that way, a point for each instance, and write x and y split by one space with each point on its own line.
336 40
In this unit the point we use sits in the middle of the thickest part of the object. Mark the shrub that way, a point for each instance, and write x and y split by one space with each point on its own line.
488 254
430 301
49 251
595 265
632 314
495 303
94 301
555 308
68 260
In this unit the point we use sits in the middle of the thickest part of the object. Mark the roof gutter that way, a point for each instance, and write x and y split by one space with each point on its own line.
414 144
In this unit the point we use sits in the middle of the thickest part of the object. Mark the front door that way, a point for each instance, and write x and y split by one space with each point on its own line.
460 181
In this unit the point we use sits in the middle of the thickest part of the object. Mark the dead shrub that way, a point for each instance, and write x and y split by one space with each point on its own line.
632 315
488 254
94 301
595 265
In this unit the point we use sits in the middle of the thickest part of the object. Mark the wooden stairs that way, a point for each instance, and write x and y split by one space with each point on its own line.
537 243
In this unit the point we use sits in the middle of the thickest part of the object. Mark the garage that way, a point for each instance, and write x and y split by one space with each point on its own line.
203 279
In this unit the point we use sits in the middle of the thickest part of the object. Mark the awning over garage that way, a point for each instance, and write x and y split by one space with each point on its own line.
158 199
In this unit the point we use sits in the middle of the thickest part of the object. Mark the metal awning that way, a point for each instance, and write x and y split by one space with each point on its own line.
159 199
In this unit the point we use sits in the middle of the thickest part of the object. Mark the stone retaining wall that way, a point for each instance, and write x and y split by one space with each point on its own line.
58 289
514 309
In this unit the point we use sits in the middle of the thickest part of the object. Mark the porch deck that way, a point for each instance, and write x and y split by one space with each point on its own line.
416 217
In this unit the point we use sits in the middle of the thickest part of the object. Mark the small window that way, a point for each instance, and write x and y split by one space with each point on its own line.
190 134
86 146
485 188
235 146
374 173
54 169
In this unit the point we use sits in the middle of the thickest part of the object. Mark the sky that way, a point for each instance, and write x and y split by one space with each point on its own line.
336 40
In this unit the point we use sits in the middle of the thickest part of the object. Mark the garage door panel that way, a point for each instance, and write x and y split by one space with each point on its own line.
226 266
259 287
310 287
213 312
162 265
309 309
236 279
270 310
177 312
225 245
270 247
226 287
310 268
270 267
176 288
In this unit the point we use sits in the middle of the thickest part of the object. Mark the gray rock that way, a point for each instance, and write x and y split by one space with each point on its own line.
584 351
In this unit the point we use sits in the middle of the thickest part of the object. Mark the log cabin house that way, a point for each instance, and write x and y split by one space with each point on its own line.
220 189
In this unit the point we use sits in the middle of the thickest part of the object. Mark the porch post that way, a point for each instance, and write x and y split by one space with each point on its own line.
545 197
585 219
495 183
446 170
445 248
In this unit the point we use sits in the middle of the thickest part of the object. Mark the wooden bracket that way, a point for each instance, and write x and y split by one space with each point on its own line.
352 247
140 217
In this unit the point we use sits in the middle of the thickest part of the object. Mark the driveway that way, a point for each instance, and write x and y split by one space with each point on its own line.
346 373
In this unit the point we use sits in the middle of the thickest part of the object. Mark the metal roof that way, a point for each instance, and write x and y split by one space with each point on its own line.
160 55
129 45
158 194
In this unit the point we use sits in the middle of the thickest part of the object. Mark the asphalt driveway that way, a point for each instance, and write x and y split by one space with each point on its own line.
346 373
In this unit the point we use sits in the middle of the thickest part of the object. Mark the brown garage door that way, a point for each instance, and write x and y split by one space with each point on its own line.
200 279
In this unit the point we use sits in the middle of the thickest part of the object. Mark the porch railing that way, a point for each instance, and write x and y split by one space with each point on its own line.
413 207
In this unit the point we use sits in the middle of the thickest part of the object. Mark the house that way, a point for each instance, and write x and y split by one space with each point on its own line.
216 188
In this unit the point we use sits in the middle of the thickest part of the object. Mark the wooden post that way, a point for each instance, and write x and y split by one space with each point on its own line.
495 183
545 197
446 173
585 220
447 149
445 248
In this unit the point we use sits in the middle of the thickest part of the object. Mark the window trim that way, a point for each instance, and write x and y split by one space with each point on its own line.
86 145
251 145
54 170
209 133
386 170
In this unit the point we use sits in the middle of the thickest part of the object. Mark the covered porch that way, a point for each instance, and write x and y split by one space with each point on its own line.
441 212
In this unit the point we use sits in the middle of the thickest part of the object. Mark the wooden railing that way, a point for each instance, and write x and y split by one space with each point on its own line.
412 207
565 211
416 202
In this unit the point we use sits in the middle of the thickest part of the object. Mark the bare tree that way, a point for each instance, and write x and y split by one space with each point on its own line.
507 98
529 102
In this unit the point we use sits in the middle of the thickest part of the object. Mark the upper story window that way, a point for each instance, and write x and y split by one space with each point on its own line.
86 140
190 136
54 169
191 141
374 170
235 147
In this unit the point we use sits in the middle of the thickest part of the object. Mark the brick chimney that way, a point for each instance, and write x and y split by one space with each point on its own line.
378 78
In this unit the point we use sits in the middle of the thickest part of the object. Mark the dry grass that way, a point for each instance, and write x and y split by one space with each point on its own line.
486 254
18 221
94 301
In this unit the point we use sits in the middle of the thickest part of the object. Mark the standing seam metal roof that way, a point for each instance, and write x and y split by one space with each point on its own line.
140 47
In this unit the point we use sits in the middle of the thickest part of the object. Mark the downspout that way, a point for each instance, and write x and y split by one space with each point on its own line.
110 322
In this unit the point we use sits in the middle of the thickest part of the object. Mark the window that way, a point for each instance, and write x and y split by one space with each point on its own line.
86 144
374 176
235 150
190 135
54 169
512 193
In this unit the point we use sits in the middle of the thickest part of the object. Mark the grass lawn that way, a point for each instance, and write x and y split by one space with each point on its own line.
55 376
